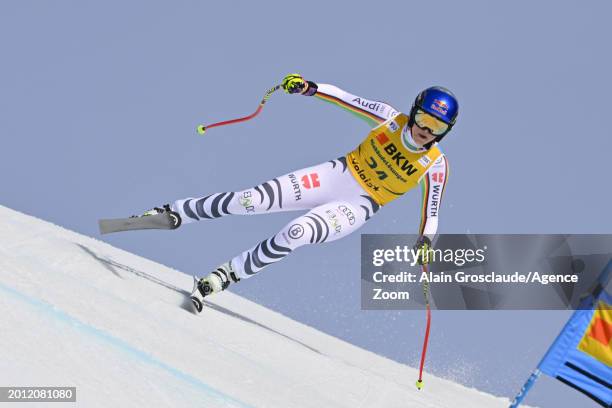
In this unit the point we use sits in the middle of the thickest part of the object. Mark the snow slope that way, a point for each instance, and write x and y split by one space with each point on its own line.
75 311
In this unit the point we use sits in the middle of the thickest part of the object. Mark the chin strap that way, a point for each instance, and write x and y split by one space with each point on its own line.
412 143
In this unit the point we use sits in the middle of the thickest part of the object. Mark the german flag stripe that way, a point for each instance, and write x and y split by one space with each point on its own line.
425 191
363 114
445 179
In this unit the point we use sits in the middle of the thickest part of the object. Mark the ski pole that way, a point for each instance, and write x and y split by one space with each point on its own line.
203 128
419 382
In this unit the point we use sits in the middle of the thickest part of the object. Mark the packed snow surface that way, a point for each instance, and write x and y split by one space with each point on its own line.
76 311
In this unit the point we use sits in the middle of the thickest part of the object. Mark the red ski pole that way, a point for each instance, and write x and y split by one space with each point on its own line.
419 382
203 128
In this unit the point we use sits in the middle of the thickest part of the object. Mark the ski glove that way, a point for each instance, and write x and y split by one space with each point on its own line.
422 248
295 83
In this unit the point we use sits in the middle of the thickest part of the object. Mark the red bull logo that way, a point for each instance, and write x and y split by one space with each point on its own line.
440 106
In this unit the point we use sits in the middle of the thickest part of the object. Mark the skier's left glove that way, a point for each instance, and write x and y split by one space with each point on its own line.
423 247
295 83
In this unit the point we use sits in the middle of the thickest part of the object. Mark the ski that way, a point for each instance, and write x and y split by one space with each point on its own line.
196 298
167 220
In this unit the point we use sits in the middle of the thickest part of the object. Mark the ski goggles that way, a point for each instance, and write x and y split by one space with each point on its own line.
428 122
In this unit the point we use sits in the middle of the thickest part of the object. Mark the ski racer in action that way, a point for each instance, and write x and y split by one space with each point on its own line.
400 153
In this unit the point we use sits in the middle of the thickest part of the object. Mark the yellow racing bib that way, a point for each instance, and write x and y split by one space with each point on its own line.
383 164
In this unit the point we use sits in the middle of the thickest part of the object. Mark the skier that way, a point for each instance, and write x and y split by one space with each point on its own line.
341 195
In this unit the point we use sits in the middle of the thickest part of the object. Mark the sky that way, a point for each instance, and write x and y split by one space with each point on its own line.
99 102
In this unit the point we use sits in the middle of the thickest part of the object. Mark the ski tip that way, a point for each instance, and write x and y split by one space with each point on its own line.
193 304
419 384
189 305
201 129
102 227
196 305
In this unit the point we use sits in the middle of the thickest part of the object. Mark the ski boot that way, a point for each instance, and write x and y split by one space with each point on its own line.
216 281
173 218
158 218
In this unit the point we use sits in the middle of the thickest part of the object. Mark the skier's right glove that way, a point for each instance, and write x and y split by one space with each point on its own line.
295 83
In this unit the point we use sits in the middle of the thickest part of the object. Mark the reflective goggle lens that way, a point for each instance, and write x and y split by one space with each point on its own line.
435 125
